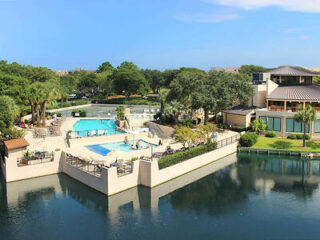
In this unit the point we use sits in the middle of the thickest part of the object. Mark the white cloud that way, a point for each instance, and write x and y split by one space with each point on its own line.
290 5
206 18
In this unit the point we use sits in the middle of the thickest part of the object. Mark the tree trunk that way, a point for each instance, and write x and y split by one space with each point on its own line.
206 116
32 112
304 135
36 110
43 112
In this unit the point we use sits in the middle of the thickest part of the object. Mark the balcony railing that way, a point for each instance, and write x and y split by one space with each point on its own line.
288 109
38 158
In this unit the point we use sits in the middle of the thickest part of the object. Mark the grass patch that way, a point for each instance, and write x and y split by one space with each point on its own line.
286 144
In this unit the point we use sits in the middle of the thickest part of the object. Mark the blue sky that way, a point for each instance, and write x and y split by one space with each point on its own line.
160 34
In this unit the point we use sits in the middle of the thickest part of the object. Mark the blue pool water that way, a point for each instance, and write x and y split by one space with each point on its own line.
85 127
104 149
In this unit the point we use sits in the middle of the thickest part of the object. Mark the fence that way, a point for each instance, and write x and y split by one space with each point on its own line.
93 133
125 169
92 167
228 141
38 158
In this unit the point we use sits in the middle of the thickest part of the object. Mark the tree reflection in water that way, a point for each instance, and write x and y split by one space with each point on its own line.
221 192
215 194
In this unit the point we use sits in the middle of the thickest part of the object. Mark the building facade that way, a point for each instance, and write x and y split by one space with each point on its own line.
286 89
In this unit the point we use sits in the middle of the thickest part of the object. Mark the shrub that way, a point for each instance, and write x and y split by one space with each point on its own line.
300 136
248 139
238 128
65 105
292 136
185 155
59 114
187 122
120 113
82 113
271 134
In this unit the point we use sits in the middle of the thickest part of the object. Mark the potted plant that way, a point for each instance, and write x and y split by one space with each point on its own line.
26 155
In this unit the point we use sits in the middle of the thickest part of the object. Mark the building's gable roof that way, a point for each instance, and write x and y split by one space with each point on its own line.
241 110
297 92
291 71
16 143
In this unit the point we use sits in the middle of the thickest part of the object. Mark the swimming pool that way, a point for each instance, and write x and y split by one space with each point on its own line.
104 149
91 127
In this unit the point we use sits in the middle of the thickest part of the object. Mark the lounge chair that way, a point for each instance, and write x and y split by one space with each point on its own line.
100 132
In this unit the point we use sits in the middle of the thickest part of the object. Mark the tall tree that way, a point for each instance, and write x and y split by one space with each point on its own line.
105 66
104 81
8 112
155 79
250 69
128 65
220 91
163 94
184 85
173 110
306 115
127 81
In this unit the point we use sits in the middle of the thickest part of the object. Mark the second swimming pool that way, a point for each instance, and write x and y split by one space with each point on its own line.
104 149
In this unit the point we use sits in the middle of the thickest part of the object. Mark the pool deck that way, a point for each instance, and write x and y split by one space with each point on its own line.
109 181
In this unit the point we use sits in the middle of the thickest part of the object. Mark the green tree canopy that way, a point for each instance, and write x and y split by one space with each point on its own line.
105 66
128 65
128 81
249 69
8 112
154 78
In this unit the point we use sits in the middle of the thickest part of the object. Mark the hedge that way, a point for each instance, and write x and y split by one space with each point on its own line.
238 128
82 113
122 101
185 155
271 134
248 139
298 136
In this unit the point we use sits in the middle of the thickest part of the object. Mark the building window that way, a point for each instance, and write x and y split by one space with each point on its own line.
295 126
273 123
317 126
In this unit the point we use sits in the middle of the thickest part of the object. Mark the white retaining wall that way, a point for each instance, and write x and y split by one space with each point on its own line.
97 183
152 176
15 173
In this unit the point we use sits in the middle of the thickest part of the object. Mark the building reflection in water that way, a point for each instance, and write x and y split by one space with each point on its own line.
219 188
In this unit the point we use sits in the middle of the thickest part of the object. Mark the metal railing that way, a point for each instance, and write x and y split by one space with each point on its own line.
93 133
228 141
39 158
91 167
125 169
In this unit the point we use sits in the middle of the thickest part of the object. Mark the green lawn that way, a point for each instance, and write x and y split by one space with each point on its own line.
286 144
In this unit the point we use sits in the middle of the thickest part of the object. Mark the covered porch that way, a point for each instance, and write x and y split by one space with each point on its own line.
290 106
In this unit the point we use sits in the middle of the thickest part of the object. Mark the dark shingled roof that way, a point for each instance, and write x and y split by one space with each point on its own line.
240 110
291 71
297 92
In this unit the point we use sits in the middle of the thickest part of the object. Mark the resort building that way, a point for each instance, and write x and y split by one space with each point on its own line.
278 94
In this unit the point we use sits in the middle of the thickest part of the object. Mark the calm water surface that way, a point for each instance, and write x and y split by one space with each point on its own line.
239 197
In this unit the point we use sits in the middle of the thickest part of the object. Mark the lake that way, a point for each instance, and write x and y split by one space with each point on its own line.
239 197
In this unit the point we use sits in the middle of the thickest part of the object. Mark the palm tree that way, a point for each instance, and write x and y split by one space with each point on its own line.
163 93
173 109
306 115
